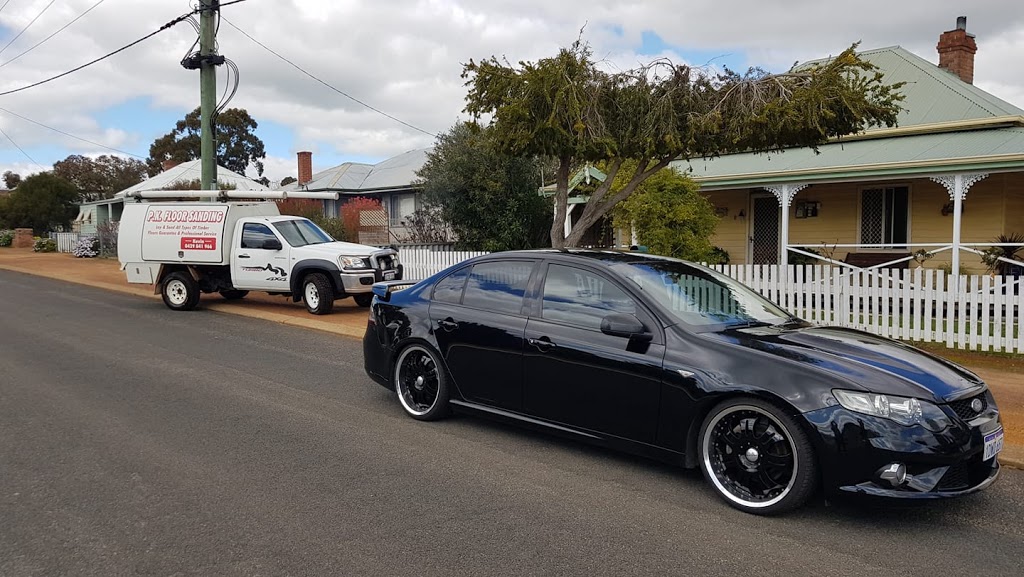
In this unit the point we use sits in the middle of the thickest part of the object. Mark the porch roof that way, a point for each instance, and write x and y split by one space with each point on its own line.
909 156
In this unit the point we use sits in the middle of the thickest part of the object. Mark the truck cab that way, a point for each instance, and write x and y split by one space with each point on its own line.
187 248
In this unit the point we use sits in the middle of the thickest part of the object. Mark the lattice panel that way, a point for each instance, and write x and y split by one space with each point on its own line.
765 235
872 213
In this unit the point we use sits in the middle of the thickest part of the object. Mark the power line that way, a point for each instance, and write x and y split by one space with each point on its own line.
27 26
177 20
21 149
5 5
59 30
58 131
230 3
300 69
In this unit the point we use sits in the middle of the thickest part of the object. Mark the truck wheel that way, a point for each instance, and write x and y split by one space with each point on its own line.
363 300
317 293
180 292
233 294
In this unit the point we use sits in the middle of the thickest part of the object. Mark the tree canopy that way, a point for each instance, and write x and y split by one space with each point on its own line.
566 107
488 198
101 177
667 213
237 144
11 179
41 202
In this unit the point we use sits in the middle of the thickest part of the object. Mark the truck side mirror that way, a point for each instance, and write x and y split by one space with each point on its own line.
272 244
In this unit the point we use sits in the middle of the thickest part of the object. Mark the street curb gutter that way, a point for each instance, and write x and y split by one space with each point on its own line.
1012 456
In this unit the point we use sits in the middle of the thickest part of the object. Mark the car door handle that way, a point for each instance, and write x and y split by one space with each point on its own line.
243 256
543 344
448 324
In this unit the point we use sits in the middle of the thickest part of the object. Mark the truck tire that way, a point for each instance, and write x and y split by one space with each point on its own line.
363 300
317 293
180 291
233 294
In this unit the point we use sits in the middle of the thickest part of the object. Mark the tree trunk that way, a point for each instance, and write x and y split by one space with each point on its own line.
561 203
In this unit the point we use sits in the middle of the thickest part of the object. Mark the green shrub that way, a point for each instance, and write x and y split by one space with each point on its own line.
6 237
44 245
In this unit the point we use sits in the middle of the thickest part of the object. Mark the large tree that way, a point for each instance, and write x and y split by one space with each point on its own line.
101 177
41 202
237 143
566 107
487 197
12 179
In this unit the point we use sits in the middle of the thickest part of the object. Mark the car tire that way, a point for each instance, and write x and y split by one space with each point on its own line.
317 293
180 291
756 457
233 294
421 383
363 300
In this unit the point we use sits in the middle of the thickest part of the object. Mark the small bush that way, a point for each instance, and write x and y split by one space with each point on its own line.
6 237
88 247
44 245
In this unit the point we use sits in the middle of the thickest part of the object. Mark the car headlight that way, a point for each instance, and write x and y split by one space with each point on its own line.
353 262
903 410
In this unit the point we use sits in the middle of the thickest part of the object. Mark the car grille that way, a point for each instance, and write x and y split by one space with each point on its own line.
385 262
963 409
956 478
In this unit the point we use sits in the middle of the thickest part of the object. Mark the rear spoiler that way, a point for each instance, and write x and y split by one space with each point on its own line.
384 289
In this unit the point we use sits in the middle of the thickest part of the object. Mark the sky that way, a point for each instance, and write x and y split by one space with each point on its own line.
404 58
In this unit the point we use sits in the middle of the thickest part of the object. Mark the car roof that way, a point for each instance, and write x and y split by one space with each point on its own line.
597 256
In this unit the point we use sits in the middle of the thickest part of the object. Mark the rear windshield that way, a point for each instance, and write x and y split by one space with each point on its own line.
302 232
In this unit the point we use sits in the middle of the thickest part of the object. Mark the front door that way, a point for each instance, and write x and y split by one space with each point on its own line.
578 376
764 229
255 267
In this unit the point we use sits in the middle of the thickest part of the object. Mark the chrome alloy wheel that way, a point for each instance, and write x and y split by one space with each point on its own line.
750 456
416 380
177 292
311 295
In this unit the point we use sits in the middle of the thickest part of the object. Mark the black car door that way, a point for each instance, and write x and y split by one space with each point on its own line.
478 321
579 376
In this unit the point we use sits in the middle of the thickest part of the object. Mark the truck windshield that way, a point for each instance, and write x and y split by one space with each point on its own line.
301 232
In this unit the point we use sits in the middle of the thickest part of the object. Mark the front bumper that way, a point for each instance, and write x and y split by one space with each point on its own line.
853 448
361 281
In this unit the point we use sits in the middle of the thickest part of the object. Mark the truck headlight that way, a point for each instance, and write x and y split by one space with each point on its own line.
353 262
903 410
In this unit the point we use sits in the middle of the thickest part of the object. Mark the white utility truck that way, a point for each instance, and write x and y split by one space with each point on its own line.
184 246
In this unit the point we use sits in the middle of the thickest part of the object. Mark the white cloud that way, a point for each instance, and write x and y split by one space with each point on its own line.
404 56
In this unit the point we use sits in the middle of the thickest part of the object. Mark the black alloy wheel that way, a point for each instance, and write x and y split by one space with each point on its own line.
756 457
421 383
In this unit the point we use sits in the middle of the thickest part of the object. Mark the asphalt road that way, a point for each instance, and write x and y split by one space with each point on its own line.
136 440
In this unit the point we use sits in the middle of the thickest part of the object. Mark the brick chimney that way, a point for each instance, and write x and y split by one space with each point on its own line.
168 164
956 51
305 167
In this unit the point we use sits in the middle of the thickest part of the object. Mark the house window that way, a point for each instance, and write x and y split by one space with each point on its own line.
885 215
402 207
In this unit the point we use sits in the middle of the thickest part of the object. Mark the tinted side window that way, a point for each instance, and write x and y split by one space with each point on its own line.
579 297
253 235
449 289
498 286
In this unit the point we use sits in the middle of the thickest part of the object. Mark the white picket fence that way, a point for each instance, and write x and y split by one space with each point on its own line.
981 312
66 241
420 261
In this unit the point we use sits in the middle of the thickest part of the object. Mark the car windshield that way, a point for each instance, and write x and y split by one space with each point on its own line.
701 297
301 232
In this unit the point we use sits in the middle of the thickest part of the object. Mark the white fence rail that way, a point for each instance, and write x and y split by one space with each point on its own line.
980 312
66 241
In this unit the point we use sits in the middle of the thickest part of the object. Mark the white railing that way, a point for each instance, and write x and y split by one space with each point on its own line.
979 312
66 241
419 261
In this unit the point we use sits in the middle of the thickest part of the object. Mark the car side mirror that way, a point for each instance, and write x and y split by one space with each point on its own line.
623 325
272 244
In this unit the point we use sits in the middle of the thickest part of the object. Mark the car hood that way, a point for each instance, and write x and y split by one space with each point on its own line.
873 363
338 248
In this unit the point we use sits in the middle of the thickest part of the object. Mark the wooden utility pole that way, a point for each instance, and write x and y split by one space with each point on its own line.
208 60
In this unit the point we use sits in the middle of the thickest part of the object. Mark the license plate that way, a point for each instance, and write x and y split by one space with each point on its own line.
389 275
993 444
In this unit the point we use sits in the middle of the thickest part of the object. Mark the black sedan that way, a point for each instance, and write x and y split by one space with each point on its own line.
673 361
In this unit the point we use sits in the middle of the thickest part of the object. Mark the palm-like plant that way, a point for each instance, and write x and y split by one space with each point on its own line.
992 254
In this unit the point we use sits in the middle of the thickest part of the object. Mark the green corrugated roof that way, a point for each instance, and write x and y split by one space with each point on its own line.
933 97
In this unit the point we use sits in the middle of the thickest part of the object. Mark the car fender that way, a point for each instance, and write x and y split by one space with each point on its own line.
300 269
